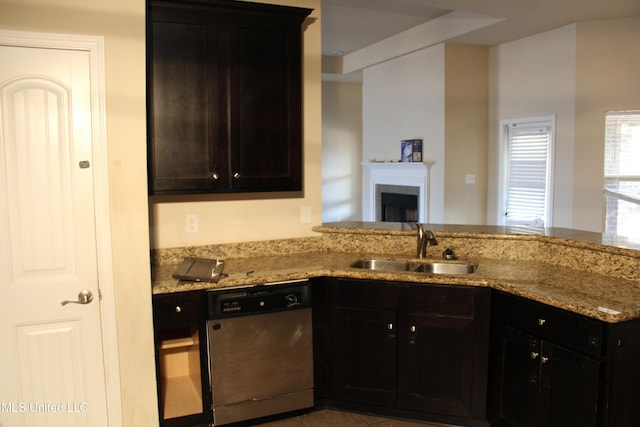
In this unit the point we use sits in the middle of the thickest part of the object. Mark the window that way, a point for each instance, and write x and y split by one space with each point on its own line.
527 165
622 173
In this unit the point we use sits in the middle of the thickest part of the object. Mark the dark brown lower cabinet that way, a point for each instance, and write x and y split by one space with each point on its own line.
553 368
543 384
366 344
415 349
445 336
364 321
184 394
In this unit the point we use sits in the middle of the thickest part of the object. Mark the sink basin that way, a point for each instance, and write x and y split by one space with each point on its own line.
383 264
446 268
450 268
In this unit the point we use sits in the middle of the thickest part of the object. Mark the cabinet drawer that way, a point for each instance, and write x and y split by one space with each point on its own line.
437 299
560 326
177 308
366 294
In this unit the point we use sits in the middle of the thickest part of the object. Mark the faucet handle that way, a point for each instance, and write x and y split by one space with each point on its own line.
449 254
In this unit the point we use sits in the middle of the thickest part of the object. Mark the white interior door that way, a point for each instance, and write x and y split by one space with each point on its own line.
51 363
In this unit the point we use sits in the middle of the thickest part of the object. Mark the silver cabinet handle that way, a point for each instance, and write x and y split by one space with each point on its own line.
412 329
534 355
236 175
390 326
84 297
544 359
178 309
214 176
541 322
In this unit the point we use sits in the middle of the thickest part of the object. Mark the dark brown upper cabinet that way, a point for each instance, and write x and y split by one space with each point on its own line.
224 97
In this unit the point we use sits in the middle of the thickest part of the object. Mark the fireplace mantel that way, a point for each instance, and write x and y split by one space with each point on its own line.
394 173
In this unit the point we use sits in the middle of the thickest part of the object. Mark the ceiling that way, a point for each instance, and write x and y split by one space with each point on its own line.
350 25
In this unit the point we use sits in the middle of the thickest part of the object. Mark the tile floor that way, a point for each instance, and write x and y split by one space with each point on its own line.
331 418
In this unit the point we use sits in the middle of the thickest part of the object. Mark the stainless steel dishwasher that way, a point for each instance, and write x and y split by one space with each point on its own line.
260 350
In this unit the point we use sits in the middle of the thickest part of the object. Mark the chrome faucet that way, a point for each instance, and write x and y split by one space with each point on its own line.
425 238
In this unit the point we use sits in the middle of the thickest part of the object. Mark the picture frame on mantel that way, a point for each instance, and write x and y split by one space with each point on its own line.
411 150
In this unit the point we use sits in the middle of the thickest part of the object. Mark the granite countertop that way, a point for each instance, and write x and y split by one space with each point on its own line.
599 296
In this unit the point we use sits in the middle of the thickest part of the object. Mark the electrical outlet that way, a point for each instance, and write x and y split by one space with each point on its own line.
192 223
470 178
305 215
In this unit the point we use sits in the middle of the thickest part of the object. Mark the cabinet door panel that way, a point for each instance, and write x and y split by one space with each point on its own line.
519 379
265 95
569 389
365 355
183 90
440 362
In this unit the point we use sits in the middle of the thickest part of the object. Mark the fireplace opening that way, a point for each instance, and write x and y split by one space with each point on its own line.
398 207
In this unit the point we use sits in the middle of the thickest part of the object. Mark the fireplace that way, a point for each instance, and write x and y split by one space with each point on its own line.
405 189
397 203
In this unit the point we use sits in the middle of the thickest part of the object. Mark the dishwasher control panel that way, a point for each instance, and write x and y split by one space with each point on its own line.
258 299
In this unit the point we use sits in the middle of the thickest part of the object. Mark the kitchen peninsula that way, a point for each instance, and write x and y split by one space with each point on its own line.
559 308
585 272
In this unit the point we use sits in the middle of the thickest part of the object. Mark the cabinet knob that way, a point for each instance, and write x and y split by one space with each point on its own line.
390 326
541 322
412 328
214 176
534 355
544 360
236 175
178 309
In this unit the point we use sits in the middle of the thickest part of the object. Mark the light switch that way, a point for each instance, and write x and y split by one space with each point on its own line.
470 178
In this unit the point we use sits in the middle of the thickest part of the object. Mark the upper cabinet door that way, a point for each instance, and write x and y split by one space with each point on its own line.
225 97
185 149
265 103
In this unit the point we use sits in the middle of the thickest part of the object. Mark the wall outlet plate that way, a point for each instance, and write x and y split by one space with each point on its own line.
192 223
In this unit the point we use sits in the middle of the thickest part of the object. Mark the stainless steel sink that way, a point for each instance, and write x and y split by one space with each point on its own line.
446 268
383 264
449 268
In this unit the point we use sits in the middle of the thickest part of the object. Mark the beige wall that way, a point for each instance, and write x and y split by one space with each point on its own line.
607 78
577 73
341 151
466 132
534 77
224 221
403 98
122 23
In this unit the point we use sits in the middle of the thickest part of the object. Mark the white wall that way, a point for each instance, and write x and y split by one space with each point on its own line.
404 99
341 151
531 77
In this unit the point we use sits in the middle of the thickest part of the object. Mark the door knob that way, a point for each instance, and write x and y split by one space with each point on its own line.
84 297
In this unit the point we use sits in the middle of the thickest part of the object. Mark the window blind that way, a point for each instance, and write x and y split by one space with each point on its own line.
527 179
622 173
